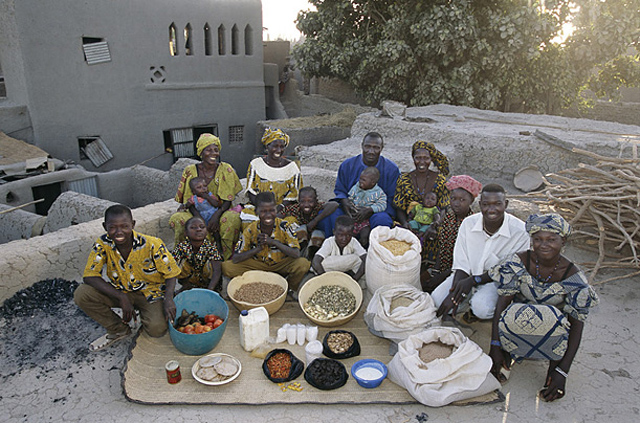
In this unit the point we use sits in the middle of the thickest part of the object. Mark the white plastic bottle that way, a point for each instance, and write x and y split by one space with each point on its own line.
254 328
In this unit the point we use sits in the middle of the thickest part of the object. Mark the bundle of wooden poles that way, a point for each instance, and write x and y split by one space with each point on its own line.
602 203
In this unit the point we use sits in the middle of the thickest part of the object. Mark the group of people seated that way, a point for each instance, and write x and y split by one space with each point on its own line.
487 265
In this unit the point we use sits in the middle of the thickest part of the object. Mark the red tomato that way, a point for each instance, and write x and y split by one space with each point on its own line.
210 318
200 328
209 324
217 323
206 328
189 330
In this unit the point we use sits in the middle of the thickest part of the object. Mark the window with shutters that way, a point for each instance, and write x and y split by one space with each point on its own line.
96 50
182 141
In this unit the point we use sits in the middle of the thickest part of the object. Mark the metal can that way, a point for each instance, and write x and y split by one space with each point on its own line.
173 371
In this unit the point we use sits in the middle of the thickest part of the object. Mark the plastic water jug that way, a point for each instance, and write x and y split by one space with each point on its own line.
254 327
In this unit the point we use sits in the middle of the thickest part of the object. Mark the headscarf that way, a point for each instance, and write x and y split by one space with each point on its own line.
550 222
465 182
439 159
205 141
271 135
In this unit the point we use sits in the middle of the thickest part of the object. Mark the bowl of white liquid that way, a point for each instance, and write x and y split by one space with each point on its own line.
369 373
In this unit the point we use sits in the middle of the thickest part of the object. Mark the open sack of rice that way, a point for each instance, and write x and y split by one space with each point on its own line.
397 311
459 375
393 258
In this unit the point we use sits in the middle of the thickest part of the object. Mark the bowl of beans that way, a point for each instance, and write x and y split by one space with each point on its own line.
256 288
331 299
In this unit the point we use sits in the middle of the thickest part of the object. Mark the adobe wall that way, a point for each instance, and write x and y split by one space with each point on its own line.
72 208
19 224
491 146
143 90
63 254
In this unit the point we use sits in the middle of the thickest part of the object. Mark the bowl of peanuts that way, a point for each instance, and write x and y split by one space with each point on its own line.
256 288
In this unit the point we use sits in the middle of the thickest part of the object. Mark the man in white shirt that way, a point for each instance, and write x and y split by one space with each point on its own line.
483 240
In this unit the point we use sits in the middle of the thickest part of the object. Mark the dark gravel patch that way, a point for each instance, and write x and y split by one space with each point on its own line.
41 327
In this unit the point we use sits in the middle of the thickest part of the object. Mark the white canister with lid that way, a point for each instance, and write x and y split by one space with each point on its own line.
254 327
313 351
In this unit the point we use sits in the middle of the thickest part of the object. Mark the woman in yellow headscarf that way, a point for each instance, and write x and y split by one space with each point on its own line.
223 183
273 172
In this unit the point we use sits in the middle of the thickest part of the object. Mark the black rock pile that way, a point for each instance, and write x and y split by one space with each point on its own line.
41 326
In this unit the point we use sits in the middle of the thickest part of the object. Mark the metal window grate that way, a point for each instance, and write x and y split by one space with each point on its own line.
87 186
95 53
183 143
98 152
236 134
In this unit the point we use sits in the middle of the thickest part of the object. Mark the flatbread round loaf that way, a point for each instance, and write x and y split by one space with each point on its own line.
208 361
226 368
207 373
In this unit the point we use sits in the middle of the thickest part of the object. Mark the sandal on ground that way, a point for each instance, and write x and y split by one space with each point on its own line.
293 294
469 317
107 340
503 375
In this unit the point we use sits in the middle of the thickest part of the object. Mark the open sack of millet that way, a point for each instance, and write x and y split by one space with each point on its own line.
440 365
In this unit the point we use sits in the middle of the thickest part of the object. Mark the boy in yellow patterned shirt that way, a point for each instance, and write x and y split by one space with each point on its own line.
139 273
268 244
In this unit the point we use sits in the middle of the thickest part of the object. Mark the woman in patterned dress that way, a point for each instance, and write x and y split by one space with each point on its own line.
223 182
463 190
274 172
412 186
544 301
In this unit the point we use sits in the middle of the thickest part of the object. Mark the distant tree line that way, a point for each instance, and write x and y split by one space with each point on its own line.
488 54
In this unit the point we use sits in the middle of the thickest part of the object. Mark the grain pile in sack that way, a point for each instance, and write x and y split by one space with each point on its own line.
462 375
397 311
386 268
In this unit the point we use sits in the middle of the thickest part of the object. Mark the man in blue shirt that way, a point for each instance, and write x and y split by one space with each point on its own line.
349 174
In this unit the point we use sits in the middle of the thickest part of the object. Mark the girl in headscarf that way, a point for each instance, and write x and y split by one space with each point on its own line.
544 301
223 182
274 172
463 190
412 186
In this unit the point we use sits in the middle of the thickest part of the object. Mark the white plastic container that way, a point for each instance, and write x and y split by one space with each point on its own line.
292 331
301 334
313 351
254 328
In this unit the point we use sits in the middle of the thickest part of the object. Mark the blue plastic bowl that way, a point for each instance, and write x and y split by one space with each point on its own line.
374 364
203 302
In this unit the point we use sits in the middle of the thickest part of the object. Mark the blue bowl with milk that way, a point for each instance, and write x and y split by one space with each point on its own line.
369 373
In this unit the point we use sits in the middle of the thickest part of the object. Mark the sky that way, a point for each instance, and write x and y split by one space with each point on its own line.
279 16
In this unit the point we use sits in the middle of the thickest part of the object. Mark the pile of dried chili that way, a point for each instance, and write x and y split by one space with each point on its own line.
279 365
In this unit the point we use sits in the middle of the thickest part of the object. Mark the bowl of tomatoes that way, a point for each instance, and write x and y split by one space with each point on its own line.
202 331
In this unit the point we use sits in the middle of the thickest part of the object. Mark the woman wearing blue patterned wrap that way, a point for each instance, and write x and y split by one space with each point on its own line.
544 301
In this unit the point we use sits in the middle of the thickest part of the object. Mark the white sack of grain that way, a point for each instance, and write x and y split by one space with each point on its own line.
385 268
397 311
463 375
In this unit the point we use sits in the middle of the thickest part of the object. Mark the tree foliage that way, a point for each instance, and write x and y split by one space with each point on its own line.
480 53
